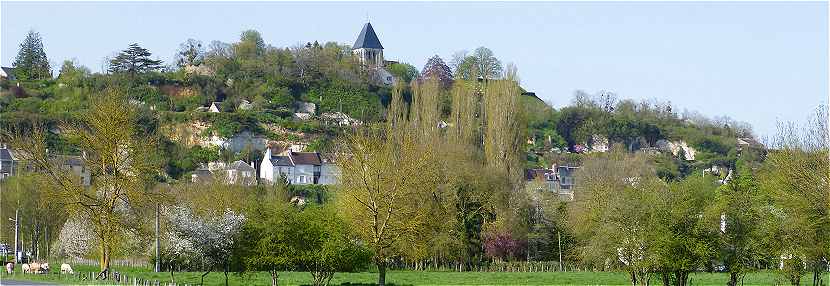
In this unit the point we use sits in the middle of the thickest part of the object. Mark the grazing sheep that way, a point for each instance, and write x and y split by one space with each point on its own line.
25 268
65 268
45 268
34 268
9 268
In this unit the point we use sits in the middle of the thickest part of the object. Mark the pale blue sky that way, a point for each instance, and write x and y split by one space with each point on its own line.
755 62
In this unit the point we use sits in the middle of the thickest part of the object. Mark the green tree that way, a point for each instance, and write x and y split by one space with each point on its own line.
72 74
31 62
40 217
687 234
117 154
134 60
403 71
281 237
267 241
250 46
614 214
481 63
741 235
795 176
379 197
327 246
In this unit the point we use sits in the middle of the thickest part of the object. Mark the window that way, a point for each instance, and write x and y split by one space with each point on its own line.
301 179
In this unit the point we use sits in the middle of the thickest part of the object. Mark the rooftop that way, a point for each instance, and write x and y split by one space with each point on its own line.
367 39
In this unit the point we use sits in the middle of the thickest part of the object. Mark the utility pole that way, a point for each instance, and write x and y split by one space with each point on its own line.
559 240
46 239
16 235
157 267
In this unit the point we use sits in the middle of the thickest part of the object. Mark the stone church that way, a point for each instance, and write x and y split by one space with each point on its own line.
369 51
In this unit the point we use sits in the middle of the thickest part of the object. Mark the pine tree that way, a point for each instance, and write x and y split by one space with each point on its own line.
134 60
31 62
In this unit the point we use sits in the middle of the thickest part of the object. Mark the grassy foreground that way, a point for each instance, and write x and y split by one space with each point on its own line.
400 278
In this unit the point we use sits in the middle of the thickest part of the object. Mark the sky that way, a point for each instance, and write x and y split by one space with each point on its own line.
754 62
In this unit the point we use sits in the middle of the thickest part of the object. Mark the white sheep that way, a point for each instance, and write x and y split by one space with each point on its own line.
25 268
65 268
9 268
34 267
45 268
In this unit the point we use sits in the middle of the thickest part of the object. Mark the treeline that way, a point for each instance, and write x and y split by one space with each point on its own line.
635 126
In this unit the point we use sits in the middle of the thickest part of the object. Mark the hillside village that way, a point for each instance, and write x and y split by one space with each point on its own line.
216 161
204 119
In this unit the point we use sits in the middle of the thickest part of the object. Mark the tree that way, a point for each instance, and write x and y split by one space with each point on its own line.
482 63
190 53
250 45
436 69
380 198
403 71
267 241
486 64
117 154
614 215
741 234
72 73
327 246
212 237
134 60
76 239
282 237
31 62
504 125
26 196
686 237
796 180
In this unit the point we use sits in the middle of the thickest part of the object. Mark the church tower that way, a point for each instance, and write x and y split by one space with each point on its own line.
367 48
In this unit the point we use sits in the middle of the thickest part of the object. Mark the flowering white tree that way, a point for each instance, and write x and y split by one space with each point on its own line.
76 238
210 238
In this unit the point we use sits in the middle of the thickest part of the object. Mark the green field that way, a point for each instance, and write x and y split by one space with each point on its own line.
406 278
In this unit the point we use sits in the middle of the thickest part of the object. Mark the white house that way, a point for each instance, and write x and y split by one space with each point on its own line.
299 168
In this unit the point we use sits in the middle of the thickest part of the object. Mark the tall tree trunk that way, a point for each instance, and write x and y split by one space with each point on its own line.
733 279
274 277
633 275
202 281
381 273
226 273
105 257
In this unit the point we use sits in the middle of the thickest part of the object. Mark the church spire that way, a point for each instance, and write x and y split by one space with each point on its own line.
367 39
